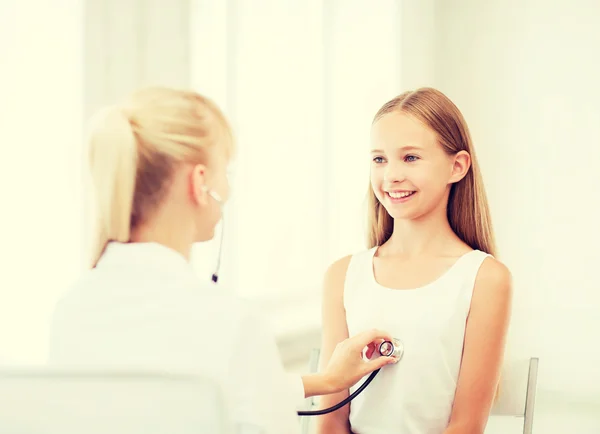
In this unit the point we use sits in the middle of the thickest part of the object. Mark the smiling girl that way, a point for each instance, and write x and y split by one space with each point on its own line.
429 277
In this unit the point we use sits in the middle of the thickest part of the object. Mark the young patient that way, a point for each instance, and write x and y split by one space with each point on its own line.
428 277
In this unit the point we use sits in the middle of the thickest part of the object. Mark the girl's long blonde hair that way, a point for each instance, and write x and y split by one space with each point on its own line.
134 148
468 210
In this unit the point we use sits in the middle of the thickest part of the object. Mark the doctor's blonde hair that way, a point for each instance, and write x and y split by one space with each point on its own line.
134 148
467 210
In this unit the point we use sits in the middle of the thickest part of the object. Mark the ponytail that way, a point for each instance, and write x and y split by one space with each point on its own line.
134 149
113 161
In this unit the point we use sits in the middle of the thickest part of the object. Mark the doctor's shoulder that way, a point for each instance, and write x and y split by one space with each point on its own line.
74 294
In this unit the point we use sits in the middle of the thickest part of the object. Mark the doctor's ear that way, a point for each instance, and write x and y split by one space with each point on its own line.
198 188
460 166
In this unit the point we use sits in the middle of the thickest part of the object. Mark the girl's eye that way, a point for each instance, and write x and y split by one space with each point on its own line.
411 158
378 160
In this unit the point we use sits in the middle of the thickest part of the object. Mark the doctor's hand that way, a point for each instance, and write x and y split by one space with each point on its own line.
346 366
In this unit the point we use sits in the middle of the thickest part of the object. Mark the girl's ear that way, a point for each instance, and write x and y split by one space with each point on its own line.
460 166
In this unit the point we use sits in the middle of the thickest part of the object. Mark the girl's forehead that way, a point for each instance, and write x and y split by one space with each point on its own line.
397 130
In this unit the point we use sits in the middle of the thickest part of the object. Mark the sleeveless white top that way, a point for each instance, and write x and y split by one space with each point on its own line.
415 395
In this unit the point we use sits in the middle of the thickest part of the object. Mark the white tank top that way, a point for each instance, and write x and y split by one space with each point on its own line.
415 395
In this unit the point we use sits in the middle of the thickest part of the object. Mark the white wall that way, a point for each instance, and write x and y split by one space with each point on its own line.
132 43
416 31
525 74
40 126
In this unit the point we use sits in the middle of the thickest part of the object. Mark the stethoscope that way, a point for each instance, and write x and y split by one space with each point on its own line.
393 348
219 200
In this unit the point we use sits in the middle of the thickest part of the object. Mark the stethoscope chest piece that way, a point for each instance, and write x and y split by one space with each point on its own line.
393 348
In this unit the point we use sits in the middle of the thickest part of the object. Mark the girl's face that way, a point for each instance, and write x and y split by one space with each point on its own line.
411 174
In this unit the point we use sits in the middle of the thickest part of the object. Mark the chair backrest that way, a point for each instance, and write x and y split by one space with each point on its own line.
518 388
44 401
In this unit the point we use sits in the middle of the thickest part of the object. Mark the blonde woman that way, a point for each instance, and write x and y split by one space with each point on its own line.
428 277
158 165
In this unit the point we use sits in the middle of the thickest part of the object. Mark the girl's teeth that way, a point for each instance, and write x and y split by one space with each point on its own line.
395 195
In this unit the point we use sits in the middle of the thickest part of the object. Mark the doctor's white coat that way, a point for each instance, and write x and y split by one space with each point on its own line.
143 307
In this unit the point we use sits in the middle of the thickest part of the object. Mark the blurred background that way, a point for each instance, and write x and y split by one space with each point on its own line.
300 82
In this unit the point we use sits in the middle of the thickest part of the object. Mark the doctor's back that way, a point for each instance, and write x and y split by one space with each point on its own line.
159 179
142 307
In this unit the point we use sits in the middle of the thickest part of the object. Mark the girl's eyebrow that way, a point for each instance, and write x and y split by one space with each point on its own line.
403 148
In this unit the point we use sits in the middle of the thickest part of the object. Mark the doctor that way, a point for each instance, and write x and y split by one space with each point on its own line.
158 166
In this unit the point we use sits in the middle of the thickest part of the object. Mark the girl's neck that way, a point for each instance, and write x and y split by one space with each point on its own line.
428 235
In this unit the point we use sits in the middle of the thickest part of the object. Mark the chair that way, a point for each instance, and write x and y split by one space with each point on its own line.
54 401
518 389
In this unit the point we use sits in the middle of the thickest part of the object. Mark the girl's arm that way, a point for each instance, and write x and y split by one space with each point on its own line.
335 331
483 352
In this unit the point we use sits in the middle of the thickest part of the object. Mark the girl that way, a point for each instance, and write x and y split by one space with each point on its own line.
429 277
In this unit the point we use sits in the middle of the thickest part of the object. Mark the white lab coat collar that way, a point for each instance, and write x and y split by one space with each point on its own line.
148 255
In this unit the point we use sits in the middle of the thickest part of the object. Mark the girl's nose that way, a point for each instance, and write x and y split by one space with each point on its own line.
392 174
